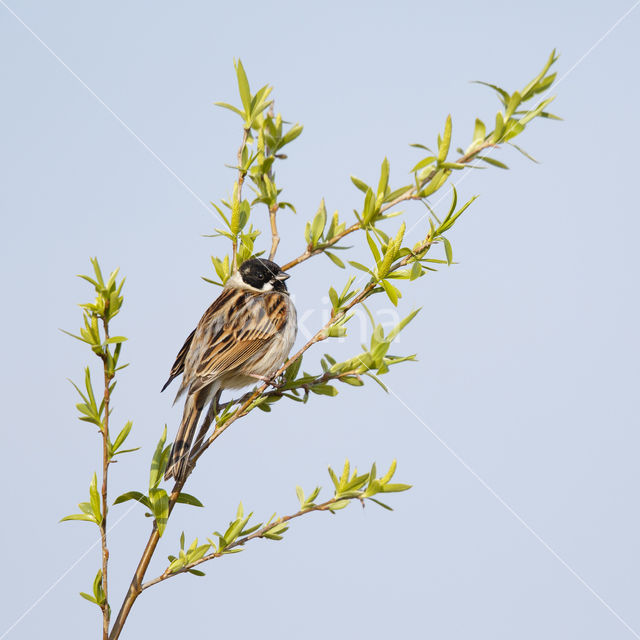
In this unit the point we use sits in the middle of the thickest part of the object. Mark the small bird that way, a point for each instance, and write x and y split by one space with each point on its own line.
244 336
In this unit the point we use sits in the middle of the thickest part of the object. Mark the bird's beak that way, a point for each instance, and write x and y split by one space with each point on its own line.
282 276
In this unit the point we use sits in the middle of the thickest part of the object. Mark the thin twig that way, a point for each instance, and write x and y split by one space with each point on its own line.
242 173
106 611
275 238
410 194
260 533
135 588
281 390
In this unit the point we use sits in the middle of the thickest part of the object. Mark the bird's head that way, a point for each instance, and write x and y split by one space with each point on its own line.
259 274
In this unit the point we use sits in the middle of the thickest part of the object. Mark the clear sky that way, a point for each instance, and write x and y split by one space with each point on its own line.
517 427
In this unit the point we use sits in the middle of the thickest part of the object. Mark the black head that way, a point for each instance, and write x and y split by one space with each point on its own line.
263 275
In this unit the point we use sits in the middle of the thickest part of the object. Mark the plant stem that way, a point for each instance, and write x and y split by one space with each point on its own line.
106 612
242 173
260 533
275 238
135 588
410 194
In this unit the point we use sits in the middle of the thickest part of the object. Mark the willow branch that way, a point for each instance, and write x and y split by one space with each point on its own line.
328 376
410 194
260 533
275 238
135 588
106 611
242 174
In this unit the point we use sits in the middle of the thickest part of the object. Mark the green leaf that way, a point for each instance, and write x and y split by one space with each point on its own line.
224 105
493 162
318 224
333 296
397 193
133 495
439 178
382 504
513 103
243 87
335 331
387 476
369 209
359 266
448 250
186 498
402 324
98 592
524 153
417 145
334 478
324 390
425 162
160 508
373 248
94 497
384 178
122 436
392 293
479 131
499 129
86 596
79 516
360 184
292 134
529 89
394 488
334 258
157 469
504 96
443 149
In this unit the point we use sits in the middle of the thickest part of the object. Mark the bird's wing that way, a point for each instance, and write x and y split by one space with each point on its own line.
253 320
178 365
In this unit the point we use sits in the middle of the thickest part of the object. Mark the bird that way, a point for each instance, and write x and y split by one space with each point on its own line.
245 335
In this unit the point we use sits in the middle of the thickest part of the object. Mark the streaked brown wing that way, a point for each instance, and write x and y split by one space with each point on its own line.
178 365
256 318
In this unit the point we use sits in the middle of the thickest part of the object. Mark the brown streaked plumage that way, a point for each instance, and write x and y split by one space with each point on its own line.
245 334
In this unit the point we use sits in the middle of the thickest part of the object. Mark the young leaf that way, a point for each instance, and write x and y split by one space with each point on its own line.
243 87
443 149
160 508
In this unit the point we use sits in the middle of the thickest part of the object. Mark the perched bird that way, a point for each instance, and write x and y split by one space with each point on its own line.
244 336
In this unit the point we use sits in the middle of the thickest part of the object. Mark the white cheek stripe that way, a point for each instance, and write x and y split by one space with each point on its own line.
236 282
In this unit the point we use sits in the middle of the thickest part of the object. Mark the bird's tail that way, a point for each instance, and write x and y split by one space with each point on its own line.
179 458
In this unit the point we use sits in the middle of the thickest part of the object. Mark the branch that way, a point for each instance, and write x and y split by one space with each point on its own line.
106 610
135 588
242 173
411 194
328 376
260 533
275 238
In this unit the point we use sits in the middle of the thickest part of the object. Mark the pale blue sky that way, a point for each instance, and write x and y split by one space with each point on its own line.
528 348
